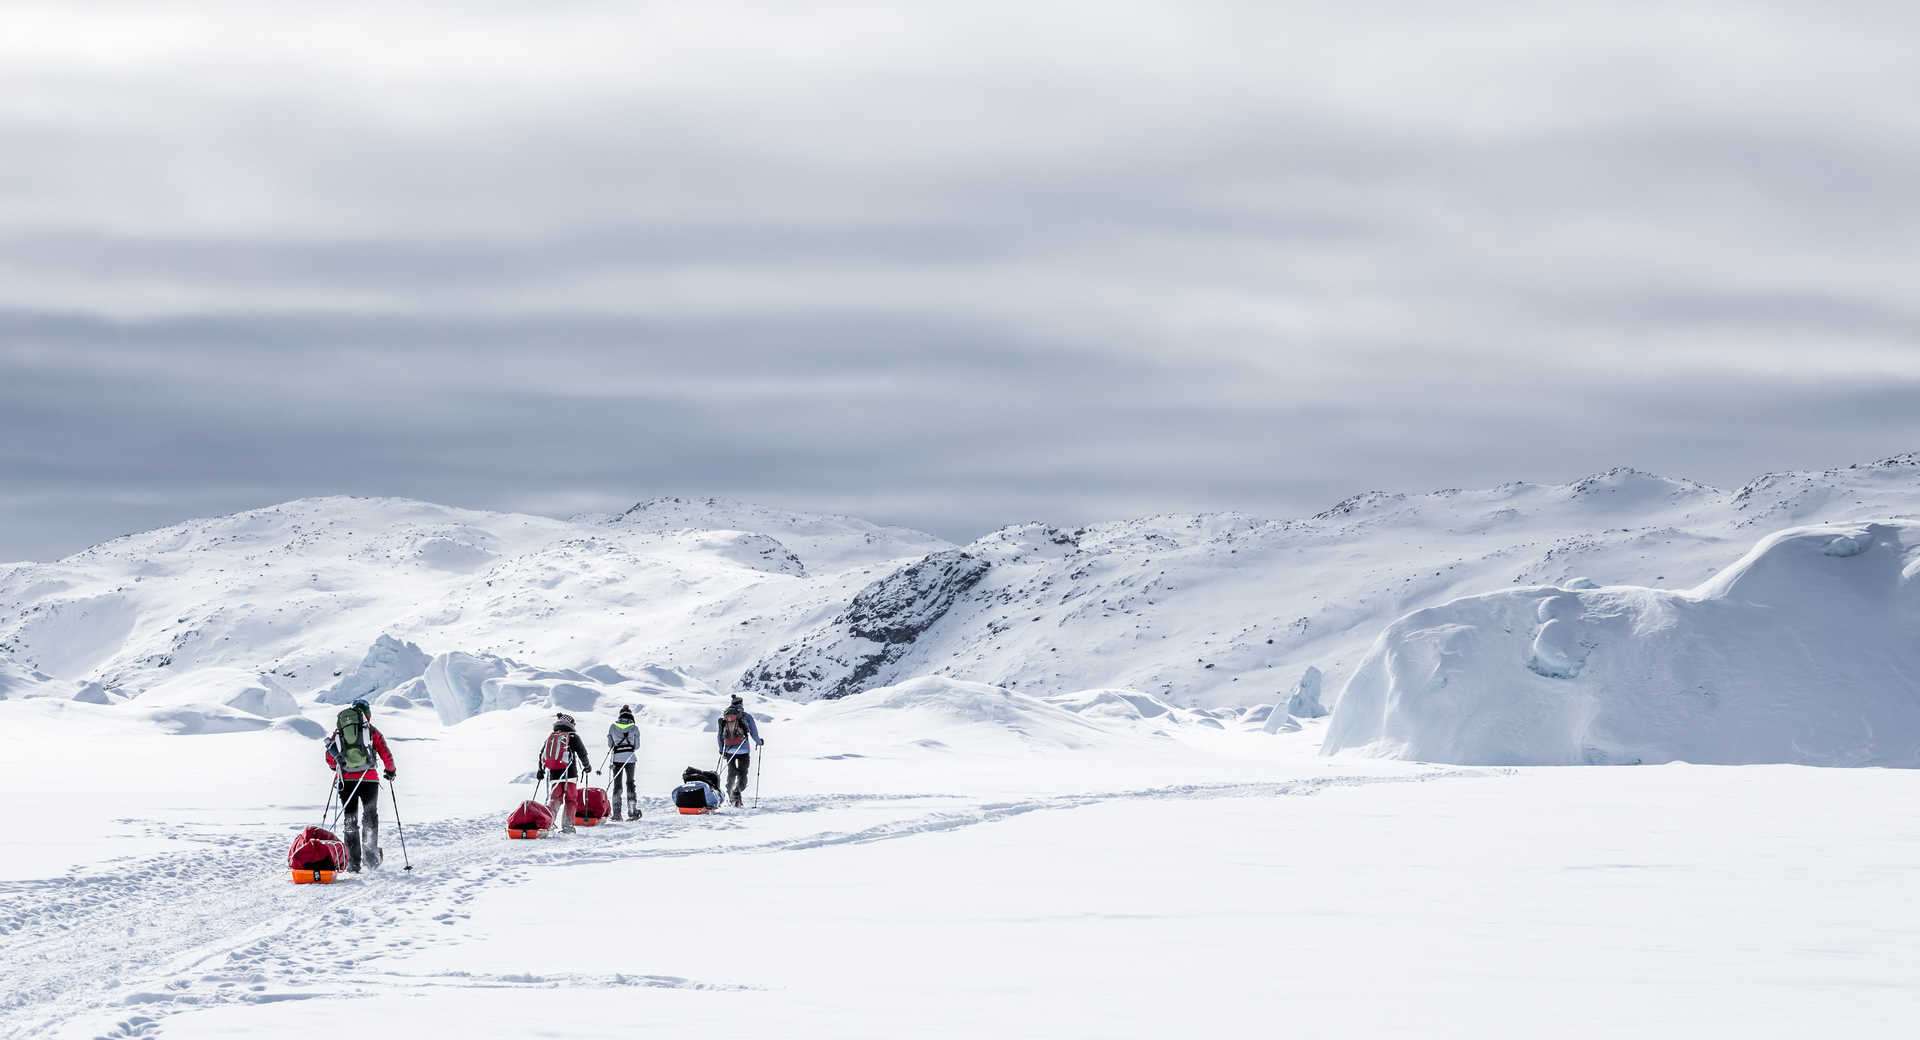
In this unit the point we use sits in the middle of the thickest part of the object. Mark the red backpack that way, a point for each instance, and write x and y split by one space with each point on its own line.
733 730
557 752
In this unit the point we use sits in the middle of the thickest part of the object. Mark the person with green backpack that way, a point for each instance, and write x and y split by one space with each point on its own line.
350 754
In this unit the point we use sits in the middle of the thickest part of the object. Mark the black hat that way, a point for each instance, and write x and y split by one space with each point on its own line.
736 699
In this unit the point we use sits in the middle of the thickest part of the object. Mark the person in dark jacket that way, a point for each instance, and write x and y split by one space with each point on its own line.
352 765
735 729
563 760
623 743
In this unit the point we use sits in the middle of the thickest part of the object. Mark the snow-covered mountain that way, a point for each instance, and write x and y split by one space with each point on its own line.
335 597
319 592
1233 610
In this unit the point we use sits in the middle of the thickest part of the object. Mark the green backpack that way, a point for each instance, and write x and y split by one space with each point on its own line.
352 746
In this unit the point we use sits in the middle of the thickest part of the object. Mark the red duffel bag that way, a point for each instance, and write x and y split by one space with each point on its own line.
316 856
594 807
530 820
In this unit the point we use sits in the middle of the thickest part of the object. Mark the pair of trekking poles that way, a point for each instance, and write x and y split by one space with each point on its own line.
759 763
327 819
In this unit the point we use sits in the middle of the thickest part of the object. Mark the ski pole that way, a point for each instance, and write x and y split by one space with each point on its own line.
759 763
326 810
401 827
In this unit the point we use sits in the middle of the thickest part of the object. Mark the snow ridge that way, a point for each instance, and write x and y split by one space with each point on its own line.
1805 651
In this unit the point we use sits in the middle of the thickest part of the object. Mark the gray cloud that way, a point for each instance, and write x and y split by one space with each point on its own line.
969 266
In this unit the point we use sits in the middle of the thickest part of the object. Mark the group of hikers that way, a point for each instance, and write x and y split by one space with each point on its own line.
357 743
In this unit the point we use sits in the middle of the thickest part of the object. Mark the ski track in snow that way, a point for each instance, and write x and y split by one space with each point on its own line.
130 942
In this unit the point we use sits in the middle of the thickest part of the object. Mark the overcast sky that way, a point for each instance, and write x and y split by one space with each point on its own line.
948 265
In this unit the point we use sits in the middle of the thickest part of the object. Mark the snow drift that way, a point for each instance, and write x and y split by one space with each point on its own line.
1805 651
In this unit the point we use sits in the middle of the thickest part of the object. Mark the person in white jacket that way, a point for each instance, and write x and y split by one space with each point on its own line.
623 746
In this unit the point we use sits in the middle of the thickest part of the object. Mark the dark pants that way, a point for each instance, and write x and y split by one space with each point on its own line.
361 801
622 775
737 773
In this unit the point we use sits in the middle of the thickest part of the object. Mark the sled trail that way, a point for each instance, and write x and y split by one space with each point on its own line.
114 949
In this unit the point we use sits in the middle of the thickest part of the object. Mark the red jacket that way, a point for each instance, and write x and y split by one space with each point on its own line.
379 748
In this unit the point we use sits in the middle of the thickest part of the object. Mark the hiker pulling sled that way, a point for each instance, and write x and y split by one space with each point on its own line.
623 745
735 730
351 753
563 760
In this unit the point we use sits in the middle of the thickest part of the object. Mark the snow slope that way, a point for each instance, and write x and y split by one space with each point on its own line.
1805 651
1233 610
336 598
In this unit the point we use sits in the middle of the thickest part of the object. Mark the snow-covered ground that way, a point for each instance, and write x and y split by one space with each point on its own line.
1059 783
958 875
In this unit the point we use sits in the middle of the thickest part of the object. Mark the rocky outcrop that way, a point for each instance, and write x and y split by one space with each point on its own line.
855 651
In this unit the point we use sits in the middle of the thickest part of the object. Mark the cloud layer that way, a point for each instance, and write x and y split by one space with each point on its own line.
956 267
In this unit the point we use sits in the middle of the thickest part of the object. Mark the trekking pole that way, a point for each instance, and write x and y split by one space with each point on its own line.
340 788
401 827
327 809
759 763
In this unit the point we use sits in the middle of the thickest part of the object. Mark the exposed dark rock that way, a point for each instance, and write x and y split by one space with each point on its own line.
876 630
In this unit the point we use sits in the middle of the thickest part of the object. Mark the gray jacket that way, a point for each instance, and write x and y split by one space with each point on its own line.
623 739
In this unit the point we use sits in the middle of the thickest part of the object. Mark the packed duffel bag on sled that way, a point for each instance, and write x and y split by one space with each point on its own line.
695 798
530 820
316 856
594 807
694 774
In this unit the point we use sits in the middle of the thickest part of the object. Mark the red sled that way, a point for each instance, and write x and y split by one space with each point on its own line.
695 812
316 856
595 807
530 820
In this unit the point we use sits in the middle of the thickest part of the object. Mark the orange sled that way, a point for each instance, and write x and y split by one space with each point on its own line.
594 807
530 820
695 812
315 856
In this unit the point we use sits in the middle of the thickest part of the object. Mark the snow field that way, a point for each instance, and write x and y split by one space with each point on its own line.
1673 901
